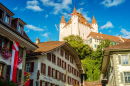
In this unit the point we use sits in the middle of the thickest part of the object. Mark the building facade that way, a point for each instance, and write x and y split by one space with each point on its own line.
12 29
78 25
116 65
54 63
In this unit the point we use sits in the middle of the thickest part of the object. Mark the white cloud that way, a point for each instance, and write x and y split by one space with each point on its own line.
31 27
110 3
46 16
107 25
27 31
109 31
84 14
66 15
16 8
125 33
82 3
45 34
58 7
33 5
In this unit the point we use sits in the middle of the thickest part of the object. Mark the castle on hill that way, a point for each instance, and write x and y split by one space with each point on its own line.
78 25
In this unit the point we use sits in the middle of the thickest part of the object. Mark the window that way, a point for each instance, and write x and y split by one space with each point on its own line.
43 83
58 75
66 56
20 28
31 82
63 65
43 68
1 14
49 56
91 40
58 61
53 58
63 77
20 51
49 71
124 59
48 84
30 67
53 72
127 77
95 45
61 53
7 19
1 69
71 60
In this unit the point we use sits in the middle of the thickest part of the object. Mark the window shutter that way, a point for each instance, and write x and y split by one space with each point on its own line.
52 58
51 84
48 70
41 67
121 76
68 79
44 69
48 56
56 74
65 65
40 82
31 82
32 66
46 83
119 59
60 62
65 78
68 67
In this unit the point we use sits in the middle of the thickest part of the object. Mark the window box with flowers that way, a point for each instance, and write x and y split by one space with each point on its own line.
5 53
20 60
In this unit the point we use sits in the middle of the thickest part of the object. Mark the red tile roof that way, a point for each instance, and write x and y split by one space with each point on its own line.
124 45
93 20
62 20
82 20
105 36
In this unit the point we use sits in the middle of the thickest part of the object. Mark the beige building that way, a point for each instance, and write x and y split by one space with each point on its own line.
115 67
54 63
12 29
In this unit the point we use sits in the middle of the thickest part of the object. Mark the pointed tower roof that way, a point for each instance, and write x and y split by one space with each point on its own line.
62 20
94 20
74 11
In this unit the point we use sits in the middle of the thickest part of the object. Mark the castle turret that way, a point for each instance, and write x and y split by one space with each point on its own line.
62 24
75 23
94 24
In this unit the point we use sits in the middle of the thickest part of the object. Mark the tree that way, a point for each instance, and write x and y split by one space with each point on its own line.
77 43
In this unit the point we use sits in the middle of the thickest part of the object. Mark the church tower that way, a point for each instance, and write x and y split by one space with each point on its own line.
94 25
75 23
62 24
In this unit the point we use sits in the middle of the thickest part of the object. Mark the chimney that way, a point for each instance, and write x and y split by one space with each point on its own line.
119 36
37 40
100 32
49 39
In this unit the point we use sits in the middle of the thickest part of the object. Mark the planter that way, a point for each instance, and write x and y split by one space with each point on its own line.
20 60
5 53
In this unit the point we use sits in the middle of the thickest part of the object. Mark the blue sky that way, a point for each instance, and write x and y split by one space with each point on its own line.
42 15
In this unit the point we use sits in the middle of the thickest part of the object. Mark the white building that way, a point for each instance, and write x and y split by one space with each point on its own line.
78 25
12 29
116 65
54 63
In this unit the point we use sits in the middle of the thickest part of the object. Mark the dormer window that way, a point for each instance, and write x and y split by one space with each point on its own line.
1 14
20 28
7 19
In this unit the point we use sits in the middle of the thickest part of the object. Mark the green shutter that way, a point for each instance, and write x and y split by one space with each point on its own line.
119 59
90 40
121 76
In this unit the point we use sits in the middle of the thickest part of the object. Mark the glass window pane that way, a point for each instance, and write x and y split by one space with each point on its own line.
7 19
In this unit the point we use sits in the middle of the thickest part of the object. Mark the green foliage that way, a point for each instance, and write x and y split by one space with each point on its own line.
6 82
77 43
91 60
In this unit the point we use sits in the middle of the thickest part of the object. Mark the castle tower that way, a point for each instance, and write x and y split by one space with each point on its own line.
94 24
75 23
62 24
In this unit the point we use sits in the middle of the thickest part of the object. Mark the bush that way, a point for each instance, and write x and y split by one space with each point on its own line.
6 82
